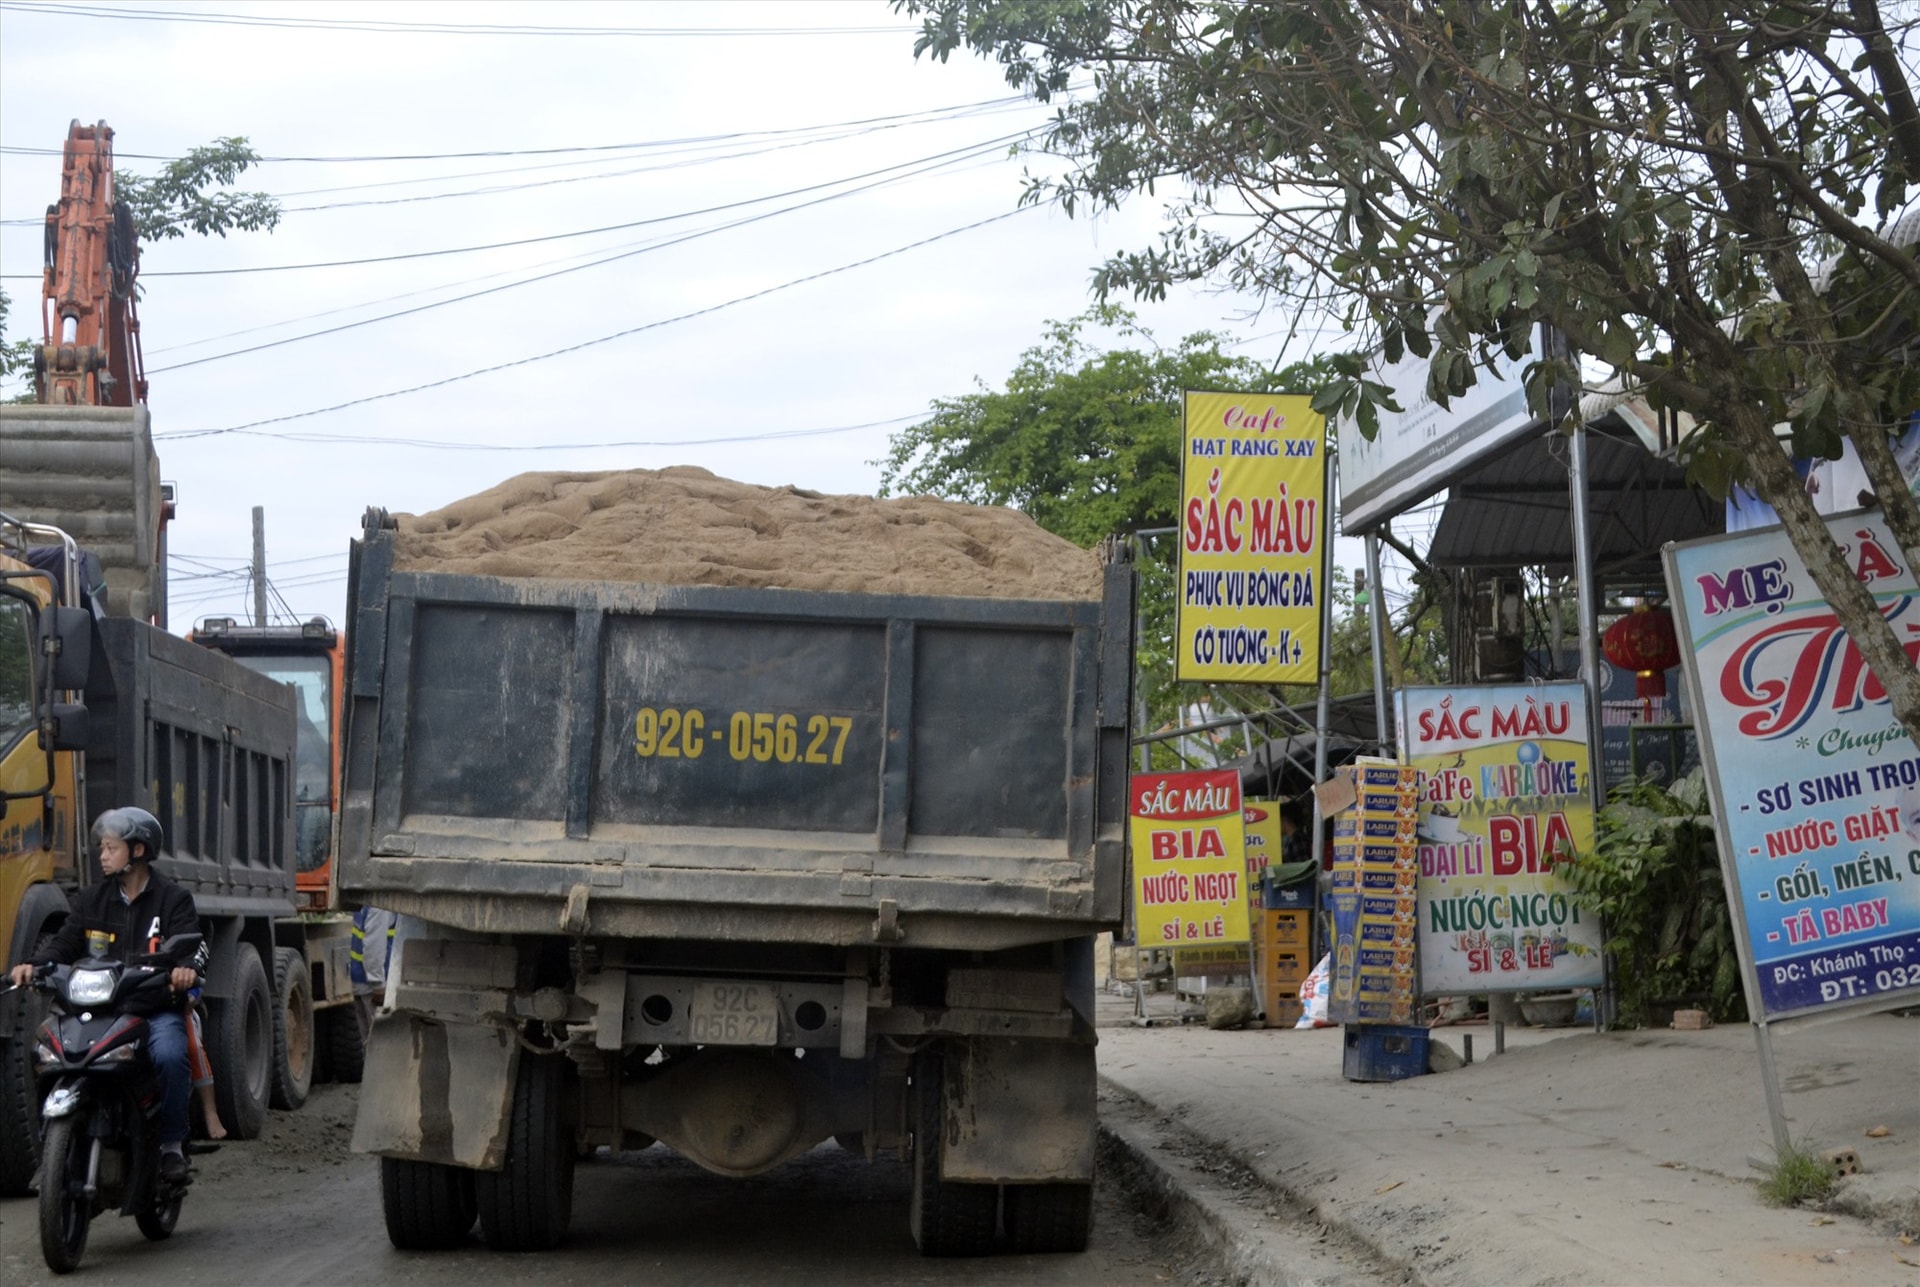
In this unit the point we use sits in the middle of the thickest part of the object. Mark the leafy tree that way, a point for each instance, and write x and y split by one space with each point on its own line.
16 356
188 195
1698 195
1086 441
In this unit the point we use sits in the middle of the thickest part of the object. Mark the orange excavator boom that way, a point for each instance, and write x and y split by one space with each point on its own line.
91 352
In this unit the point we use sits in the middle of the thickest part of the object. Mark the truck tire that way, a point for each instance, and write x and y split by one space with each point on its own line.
25 1011
341 1047
1046 1218
428 1206
292 1029
947 1218
240 1044
527 1204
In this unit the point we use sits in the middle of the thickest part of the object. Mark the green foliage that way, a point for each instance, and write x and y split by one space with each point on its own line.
16 356
1655 881
1086 441
1798 1175
188 196
1697 197
1447 176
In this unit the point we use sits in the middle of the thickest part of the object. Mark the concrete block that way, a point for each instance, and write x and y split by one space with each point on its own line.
1691 1020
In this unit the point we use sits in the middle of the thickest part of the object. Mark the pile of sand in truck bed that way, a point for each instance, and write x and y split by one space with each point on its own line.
685 526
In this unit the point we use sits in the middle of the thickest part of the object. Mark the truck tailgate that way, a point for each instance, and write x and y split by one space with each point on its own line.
734 764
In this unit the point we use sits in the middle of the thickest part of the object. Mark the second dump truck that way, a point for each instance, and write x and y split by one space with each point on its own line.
738 866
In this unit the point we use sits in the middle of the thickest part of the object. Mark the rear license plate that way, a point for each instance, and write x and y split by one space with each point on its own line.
732 1014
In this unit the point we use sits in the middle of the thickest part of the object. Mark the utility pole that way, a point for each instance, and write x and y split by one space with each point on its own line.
259 565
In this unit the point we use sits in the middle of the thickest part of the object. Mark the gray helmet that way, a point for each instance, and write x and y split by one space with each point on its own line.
136 827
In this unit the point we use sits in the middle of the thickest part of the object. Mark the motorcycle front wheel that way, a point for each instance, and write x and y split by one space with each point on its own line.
65 1210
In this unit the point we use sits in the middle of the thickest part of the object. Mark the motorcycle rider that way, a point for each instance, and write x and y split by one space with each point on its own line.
131 911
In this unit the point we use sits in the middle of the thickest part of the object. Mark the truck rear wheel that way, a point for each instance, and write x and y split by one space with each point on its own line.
428 1206
1045 1218
947 1218
339 1048
292 1029
240 1044
528 1203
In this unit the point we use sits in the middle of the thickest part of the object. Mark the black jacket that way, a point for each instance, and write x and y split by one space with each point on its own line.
162 910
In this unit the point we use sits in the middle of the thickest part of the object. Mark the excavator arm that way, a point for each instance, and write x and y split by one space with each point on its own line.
91 353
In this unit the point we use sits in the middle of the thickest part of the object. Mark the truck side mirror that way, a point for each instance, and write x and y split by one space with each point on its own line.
66 641
64 728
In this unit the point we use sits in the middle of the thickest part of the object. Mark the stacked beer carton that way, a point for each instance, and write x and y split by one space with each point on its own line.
1376 865
1281 947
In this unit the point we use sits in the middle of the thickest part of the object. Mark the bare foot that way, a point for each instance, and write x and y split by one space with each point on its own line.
215 1130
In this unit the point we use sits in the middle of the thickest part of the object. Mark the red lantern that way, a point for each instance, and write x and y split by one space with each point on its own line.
1643 642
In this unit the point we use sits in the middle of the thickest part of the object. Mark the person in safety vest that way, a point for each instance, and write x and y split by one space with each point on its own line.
372 945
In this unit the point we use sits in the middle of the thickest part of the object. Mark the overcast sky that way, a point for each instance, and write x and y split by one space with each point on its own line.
721 99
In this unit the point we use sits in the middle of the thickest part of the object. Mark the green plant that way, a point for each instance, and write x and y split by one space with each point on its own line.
1654 878
1796 1176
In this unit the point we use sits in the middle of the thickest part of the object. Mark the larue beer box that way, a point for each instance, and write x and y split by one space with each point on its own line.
1395 881
1393 829
1388 907
1386 802
1376 853
1344 788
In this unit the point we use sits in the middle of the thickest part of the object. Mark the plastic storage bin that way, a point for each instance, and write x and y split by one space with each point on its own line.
1384 1052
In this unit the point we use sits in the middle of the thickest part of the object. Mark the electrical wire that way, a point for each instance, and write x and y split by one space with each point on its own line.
604 339
931 115
561 272
441 444
969 152
382 27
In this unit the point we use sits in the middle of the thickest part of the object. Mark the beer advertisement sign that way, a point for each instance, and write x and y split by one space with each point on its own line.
1505 799
1189 859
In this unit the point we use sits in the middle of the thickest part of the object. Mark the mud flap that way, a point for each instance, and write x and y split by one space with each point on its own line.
1018 1111
437 1092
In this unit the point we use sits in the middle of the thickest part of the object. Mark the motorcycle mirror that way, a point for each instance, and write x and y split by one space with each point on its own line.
181 945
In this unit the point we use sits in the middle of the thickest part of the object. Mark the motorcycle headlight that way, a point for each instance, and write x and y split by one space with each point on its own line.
44 1054
90 987
118 1055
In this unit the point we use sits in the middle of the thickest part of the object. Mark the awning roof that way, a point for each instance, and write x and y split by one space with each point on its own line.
1513 510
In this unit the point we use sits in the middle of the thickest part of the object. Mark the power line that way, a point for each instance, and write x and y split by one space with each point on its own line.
439 444
968 152
955 111
380 27
604 339
595 263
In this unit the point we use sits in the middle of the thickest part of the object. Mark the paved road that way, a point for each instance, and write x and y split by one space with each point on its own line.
295 1207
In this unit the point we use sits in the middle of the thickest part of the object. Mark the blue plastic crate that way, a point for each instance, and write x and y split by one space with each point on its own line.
1384 1052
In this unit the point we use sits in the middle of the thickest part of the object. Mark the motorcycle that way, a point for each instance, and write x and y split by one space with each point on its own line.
100 1141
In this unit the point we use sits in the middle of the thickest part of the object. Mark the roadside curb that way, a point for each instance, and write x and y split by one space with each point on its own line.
1254 1231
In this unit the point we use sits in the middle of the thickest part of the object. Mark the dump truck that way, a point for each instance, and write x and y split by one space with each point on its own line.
734 868
193 736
